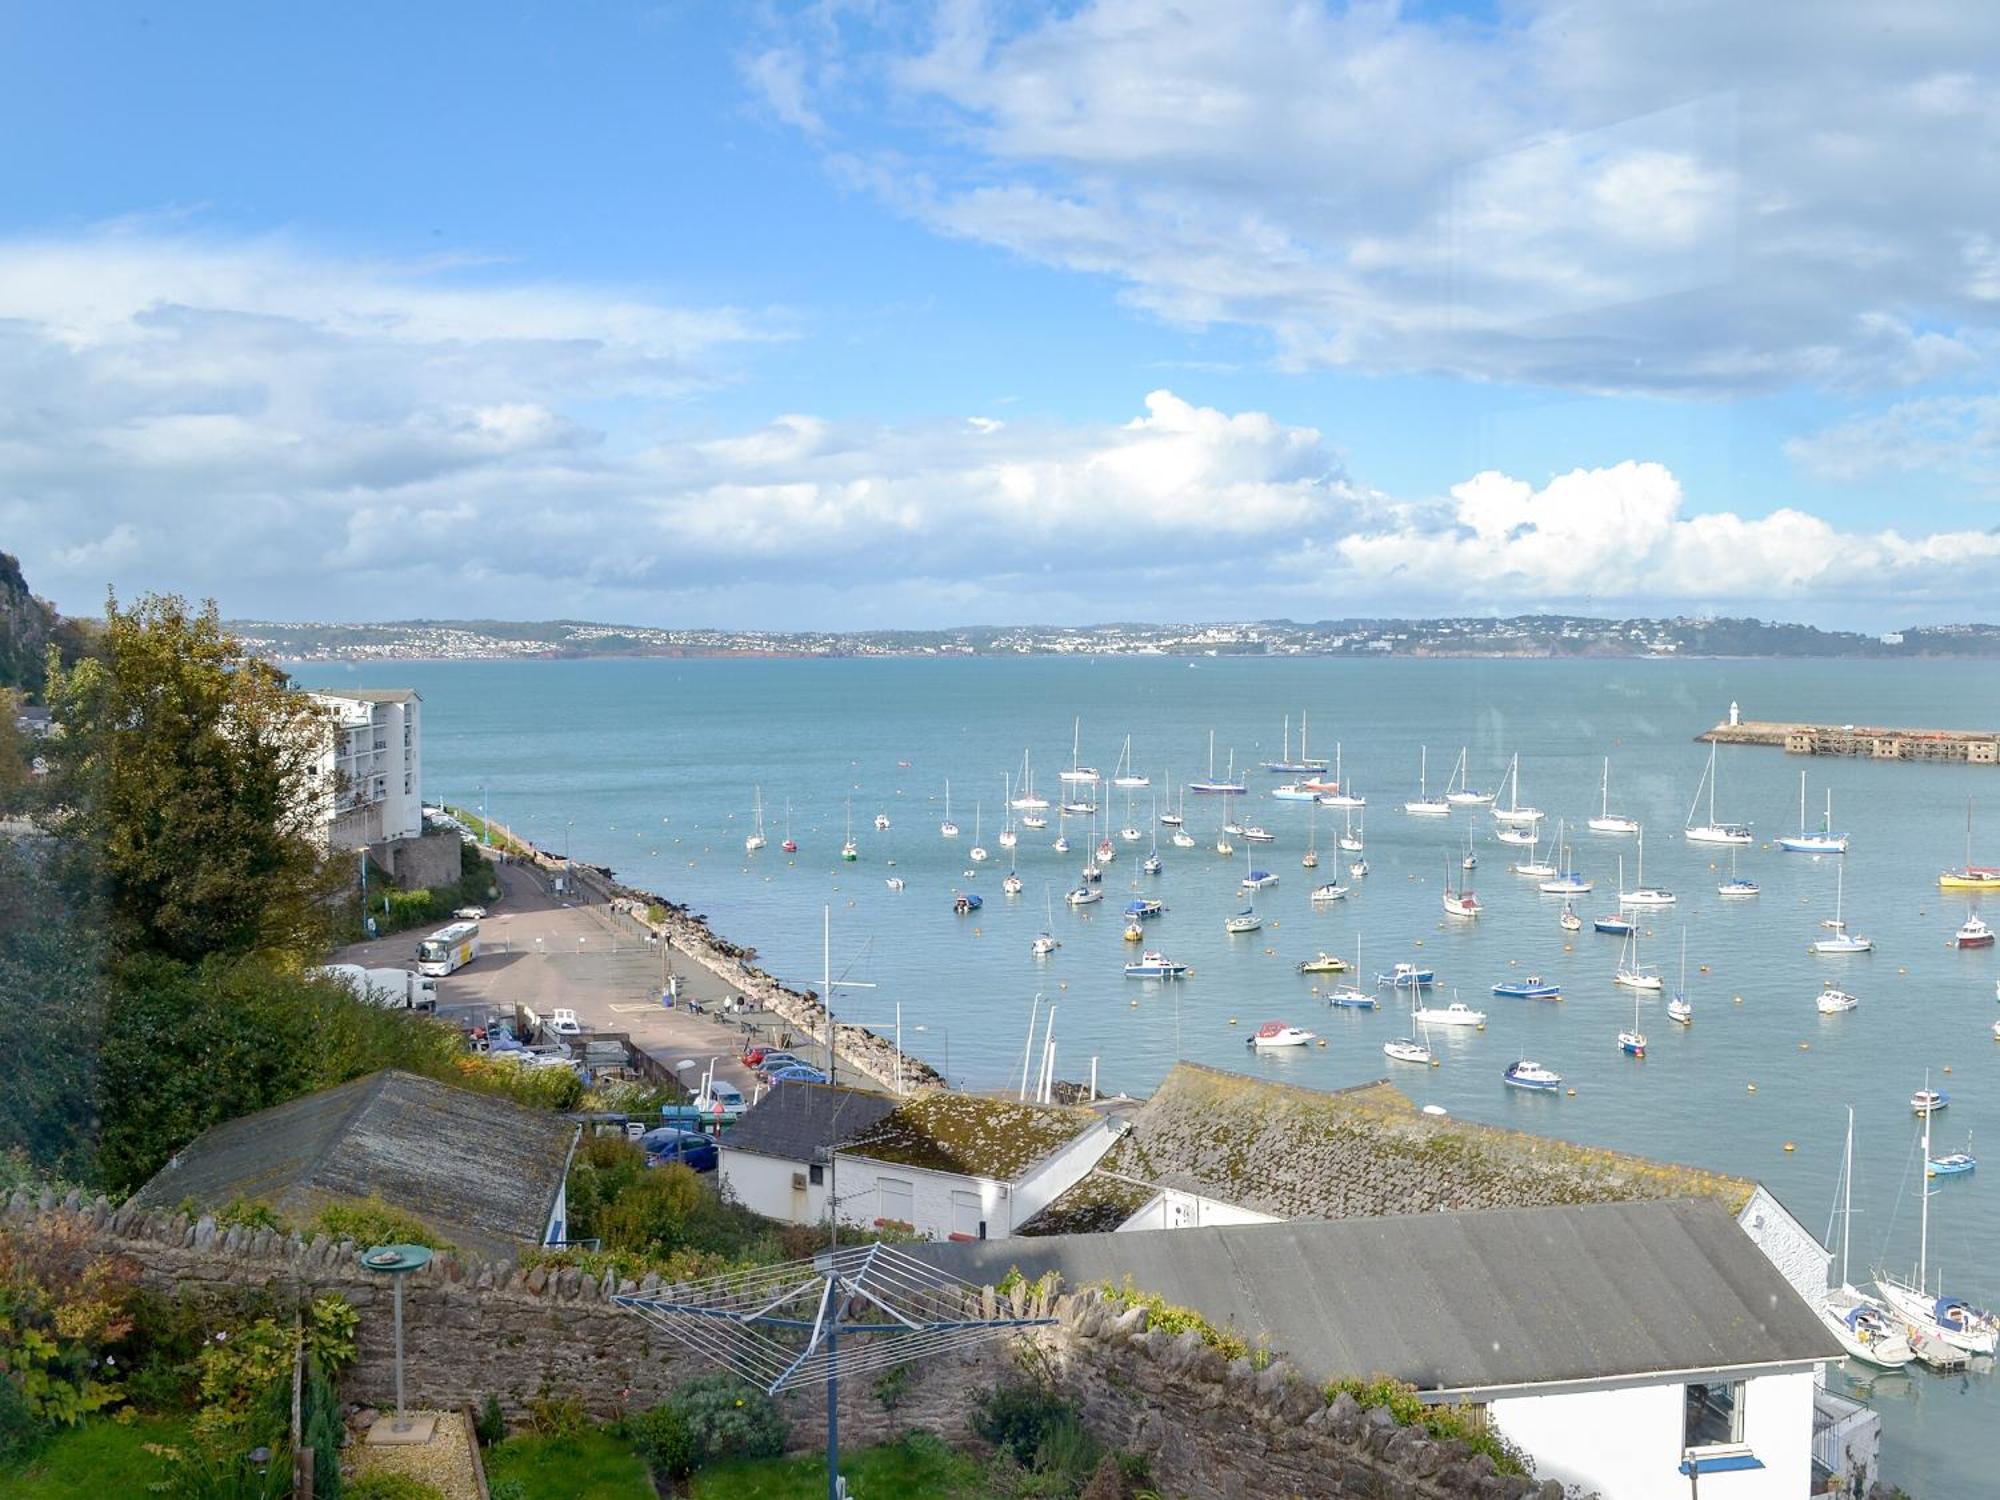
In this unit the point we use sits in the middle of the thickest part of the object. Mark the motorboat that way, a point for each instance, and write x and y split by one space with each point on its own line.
1407 977
1532 1075
1822 840
1153 864
1407 1049
1155 965
1043 945
1293 791
1833 1000
1084 895
1329 892
1523 837
1534 987
1254 834
1145 908
1258 880
965 903
1245 920
1323 963
1279 1034
1928 1101
882 822
1034 820
894 882
1233 829
1616 924
1973 933
1458 1013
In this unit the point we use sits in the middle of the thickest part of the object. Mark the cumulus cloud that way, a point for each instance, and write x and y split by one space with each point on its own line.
1702 198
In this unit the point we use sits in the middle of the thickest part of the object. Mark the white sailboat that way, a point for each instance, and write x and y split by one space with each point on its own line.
1078 772
1310 859
1735 888
1229 786
1060 843
1457 791
1513 813
1565 881
756 839
1713 832
1534 866
978 850
1958 1322
1806 841
1414 1048
1606 820
1026 800
1859 1322
947 829
1631 972
1633 1043
1680 1009
1839 939
1008 838
1045 942
1351 841
1425 805
1459 900
1341 795
1124 774
848 850
1173 817
1642 894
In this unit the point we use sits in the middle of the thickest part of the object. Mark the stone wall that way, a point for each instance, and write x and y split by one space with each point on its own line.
1214 1429
421 863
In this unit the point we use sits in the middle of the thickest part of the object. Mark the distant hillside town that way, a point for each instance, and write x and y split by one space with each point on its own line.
1463 636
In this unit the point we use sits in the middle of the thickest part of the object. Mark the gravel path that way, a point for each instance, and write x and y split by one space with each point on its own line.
445 1461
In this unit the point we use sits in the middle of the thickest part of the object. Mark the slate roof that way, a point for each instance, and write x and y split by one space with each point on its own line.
1306 1153
798 1121
482 1171
1468 1305
970 1134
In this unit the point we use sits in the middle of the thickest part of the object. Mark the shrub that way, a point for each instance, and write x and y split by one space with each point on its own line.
370 1221
21 1431
714 1417
662 1438
1448 1422
1016 1416
557 1416
491 1424
62 1307
245 1387
558 1089
1171 1318
158 1354
329 1328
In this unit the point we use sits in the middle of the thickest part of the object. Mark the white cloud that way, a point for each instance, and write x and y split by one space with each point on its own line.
1957 436
1701 198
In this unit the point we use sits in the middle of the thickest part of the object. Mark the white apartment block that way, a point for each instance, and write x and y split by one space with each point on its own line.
374 750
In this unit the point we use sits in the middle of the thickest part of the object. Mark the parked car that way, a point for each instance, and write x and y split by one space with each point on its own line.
796 1073
691 1148
775 1059
470 913
719 1100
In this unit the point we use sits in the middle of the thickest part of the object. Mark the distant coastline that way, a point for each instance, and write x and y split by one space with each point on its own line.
1521 637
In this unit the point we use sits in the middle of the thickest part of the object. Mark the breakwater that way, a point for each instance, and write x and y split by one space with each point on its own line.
1974 747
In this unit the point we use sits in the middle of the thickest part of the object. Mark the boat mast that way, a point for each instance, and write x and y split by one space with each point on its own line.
1924 1232
1847 1198
1604 791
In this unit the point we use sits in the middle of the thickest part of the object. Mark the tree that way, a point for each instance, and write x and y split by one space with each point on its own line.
15 756
183 777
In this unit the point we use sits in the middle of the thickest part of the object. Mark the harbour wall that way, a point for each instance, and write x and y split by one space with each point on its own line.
1976 747
1212 1428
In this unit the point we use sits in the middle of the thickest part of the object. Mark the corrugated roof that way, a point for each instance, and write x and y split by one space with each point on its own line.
970 1134
1467 1303
797 1121
480 1170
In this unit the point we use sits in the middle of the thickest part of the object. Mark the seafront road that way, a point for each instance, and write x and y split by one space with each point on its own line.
540 951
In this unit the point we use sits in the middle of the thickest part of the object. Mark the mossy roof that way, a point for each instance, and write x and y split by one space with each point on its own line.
969 1134
1307 1154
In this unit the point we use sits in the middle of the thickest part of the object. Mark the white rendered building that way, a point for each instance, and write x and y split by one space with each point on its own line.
375 749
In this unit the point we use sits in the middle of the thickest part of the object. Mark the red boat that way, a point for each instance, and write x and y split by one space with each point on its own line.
1974 934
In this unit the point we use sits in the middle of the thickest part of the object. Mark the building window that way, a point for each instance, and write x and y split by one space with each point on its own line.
967 1216
1713 1416
898 1199
816 1174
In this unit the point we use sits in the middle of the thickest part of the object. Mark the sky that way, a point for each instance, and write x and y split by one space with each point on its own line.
863 314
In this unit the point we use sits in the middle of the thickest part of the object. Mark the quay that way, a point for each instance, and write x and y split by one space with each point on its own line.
1973 747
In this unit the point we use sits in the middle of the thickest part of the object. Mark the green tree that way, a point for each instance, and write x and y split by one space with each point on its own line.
52 991
182 782
15 756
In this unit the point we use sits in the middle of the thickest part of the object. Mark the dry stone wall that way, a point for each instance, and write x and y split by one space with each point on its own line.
1213 1429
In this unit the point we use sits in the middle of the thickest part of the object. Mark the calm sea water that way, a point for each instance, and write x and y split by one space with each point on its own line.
651 767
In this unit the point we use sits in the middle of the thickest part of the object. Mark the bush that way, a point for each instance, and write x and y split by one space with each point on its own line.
1447 1422
557 1416
21 1431
715 1417
491 1424
1017 1416
370 1221
559 1089
62 1307
661 1437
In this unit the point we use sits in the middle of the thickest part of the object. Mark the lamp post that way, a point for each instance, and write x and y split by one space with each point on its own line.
397 1262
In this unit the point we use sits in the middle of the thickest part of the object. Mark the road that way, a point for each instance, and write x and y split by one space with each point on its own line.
540 951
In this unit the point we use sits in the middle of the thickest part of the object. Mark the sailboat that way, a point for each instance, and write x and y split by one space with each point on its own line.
1569 921
1642 894
1534 866
1337 793
978 850
1713 832
1154 864
1425 805
1346 996
1305 765
1061 841
1968 876
1958 1322
1457 791
1513 812
1824 840
1130 832
1859 1322
790 845
1565 882
1410 1049
1633 1043
1025 799
756 840
1078 772
1124 773
1680 1009
1229 786
1735 888
1008 838
1350 841
947 829
1840 940
1459 902
848 850
1606 820
1630 972
1173 817
1012 883
1310 859
1222 844
1045 941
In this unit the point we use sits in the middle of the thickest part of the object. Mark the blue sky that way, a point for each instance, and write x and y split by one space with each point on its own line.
881 314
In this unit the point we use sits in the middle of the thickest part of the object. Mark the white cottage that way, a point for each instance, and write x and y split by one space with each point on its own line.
774 1160
1626 1347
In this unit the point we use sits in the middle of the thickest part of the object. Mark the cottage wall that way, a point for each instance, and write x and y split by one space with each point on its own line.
763 1184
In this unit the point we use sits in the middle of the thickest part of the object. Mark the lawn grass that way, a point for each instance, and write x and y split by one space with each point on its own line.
589 1466
94 1461
914 1469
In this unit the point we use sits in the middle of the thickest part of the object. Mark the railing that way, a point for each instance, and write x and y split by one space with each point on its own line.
1842 1440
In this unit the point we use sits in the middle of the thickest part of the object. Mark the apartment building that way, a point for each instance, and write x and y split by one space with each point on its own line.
375 751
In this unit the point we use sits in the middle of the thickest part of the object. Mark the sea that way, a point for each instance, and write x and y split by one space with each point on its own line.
654 767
